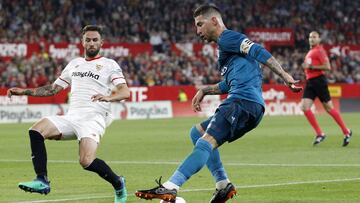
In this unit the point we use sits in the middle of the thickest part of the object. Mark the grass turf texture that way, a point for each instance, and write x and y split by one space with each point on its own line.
276 162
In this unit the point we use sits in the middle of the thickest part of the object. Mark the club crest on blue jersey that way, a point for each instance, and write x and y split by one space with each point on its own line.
223 70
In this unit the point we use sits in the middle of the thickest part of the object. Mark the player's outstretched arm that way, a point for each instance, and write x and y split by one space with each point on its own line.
274 65
122 92
43 91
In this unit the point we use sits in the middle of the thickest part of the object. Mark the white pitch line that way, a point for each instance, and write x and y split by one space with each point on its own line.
176 163
68 199
87 197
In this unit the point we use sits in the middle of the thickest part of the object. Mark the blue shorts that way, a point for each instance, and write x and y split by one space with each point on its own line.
232 119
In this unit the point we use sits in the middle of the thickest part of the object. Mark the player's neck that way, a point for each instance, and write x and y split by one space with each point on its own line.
87 58
219 32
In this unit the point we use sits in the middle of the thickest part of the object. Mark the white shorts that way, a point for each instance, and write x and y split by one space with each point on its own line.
80 125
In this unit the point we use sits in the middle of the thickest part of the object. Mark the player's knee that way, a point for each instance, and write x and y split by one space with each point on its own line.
194 134
85 161
303 107
204 144
210 139
328 109
37 130
40 127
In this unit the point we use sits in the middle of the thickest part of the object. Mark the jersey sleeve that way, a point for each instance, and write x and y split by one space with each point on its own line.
322 56
235 42
64 80
116 74
224 88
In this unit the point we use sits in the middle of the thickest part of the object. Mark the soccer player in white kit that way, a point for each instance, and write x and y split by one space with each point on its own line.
91 79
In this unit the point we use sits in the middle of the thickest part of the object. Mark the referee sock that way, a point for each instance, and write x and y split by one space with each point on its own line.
337 117
103 170
312 120
38 154
214 163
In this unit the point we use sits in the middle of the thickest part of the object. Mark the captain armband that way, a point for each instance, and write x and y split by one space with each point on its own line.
245 46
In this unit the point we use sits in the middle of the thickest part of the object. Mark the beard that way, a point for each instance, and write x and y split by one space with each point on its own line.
91 53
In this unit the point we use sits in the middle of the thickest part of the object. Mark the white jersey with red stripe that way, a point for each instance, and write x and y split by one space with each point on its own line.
87 78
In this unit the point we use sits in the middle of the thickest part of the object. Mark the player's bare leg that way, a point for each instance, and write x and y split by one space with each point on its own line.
43 129
306 108
329 107
88 160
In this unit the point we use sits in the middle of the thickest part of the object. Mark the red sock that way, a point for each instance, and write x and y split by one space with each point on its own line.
312 120
335 114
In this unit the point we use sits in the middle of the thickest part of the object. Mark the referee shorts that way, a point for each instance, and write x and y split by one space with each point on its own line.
317 87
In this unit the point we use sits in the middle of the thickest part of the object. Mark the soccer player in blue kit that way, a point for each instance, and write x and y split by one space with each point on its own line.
241 112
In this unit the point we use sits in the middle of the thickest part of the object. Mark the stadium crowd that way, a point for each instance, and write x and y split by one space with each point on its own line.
169 69
161 22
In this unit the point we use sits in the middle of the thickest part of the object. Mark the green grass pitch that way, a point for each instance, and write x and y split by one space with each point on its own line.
276 162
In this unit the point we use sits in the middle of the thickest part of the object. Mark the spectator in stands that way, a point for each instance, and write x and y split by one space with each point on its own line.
182 97
131 21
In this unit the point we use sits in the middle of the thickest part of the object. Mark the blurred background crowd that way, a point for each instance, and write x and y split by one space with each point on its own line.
161 22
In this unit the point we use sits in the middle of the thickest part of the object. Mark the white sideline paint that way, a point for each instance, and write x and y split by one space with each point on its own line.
176 163
87 197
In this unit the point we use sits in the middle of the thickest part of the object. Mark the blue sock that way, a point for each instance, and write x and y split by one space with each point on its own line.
193 163
214 163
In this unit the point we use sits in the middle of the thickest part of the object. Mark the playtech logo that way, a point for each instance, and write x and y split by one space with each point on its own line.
85 74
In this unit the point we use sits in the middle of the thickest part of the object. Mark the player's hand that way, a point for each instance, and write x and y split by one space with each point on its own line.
304 66
100 97
291 83
15 91
197 100
295 88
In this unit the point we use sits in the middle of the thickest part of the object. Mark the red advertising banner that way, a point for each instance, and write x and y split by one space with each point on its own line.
159 93
271 36
10 50
68 50
65 50
342 50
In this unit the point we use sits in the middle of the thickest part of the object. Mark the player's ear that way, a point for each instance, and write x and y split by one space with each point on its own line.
82 41
214 20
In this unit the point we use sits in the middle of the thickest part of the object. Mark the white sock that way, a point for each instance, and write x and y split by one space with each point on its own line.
222 184
169 185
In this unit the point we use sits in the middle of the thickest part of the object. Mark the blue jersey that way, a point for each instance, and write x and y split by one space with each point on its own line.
239 65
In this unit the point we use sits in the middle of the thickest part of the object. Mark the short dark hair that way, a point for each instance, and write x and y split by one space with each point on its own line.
317 32
93 28
205 9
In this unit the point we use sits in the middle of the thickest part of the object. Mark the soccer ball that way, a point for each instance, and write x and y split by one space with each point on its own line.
178 200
